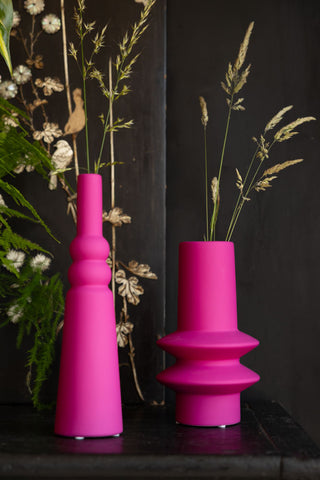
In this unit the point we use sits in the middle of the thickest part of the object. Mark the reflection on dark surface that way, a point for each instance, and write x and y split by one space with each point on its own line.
108 445
209 441
154 430
147 431
265 443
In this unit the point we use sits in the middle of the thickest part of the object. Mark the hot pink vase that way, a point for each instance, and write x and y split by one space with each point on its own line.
89 399
207 376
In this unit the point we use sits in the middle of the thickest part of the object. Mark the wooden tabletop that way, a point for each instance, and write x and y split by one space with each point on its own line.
268 444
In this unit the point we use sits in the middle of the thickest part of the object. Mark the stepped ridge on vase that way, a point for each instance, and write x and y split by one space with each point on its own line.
89 399
207 376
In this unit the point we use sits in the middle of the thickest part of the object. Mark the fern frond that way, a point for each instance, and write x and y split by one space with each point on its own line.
10 239
41 355
6 108
12 213
16 149
20 200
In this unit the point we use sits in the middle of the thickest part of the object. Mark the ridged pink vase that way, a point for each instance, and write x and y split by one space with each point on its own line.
89 398
207 376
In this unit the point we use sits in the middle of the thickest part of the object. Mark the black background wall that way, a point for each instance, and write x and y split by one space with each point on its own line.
278 234
277 238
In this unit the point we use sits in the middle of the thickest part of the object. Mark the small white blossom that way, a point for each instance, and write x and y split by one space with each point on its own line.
49 85
16 258
8 90
10 121
51 23
34 7
20 168
14 312
40 262
16 19
21 74
50 130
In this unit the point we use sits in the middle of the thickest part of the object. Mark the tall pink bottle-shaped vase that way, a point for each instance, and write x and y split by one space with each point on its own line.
89 399
207 376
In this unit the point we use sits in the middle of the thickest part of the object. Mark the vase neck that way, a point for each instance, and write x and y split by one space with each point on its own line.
89 204
207 287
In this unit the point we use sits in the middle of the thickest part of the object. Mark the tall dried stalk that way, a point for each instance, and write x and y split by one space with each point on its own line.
112 174
132 353
114 239
67 83
235 79
204 121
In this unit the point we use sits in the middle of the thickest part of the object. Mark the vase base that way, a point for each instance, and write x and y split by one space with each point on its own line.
87 437
208 410
82 438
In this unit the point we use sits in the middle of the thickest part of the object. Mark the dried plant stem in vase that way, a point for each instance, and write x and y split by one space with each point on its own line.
235 79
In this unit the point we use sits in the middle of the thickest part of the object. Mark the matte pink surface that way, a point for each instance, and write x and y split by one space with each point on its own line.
207 375
89 399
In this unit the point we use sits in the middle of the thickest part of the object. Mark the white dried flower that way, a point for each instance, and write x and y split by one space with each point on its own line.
40 262
34 7
8 90
2 202
20 168
15 312
116 217
16 258
51 23
49 85
16 19
50 130
10 121
21 74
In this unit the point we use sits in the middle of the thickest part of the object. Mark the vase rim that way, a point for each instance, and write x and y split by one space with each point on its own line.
89 174
210 242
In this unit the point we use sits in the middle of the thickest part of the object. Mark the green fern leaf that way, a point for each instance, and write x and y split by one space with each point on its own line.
6 17
20 200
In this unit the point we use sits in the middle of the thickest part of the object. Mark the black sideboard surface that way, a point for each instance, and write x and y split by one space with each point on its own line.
268 444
